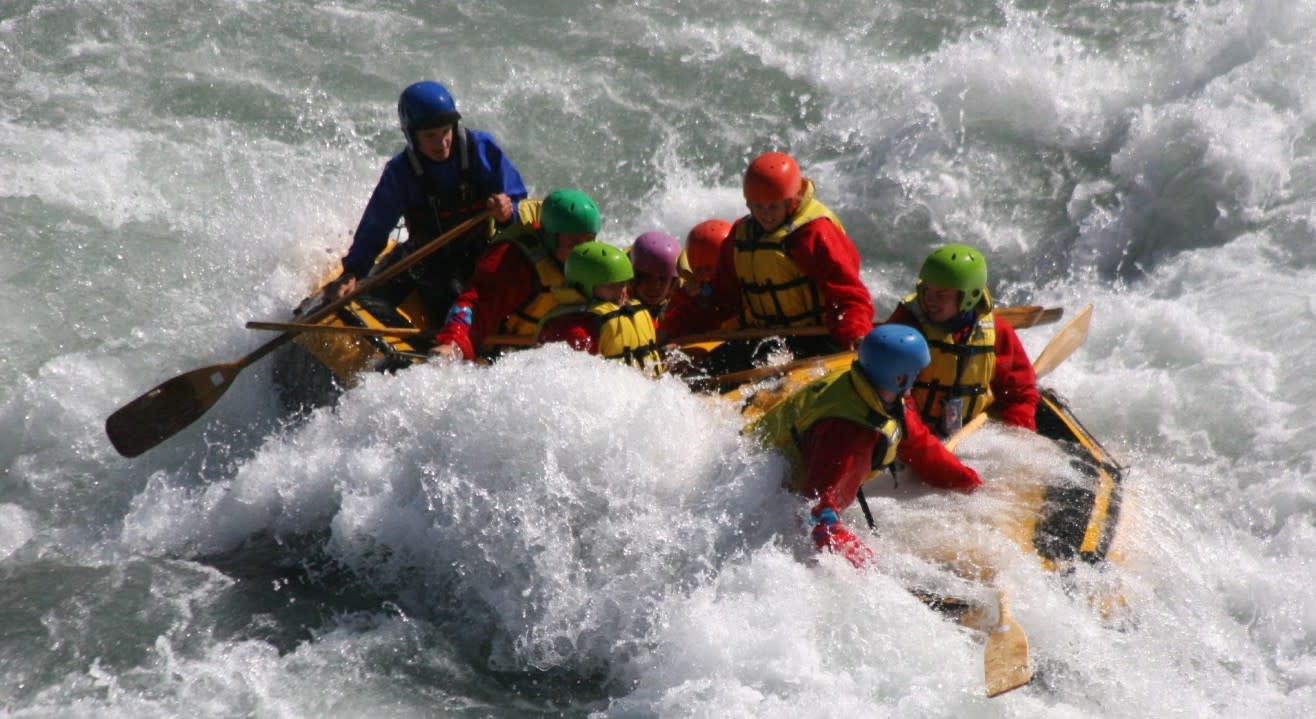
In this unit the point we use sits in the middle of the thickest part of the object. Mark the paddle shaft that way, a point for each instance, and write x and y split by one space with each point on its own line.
758 373
384 275
367 331
1019 317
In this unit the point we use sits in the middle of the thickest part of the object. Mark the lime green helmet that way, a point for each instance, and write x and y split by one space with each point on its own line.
596 263
957 267
571 212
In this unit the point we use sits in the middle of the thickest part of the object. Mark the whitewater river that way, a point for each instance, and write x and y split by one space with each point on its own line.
555 536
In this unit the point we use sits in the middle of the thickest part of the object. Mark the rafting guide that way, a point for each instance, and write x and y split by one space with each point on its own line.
446 174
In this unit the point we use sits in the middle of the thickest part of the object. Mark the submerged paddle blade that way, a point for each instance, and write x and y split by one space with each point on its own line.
164 411
1006 664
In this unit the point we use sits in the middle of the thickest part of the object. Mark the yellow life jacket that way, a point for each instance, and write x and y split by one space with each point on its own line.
958 369
774 291
843 394
527 236
626 332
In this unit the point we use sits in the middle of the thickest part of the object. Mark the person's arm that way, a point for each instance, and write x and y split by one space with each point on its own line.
1014 383
830 260
502 282
926 455
496 178
837 456
500 181
386 206
578 330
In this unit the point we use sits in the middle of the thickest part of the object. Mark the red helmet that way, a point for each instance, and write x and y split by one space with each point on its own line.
772 177
704 243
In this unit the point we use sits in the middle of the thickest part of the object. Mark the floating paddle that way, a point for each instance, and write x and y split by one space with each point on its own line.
164 411
1062 345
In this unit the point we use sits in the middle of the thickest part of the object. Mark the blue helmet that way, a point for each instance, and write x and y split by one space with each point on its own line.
424 105
891 356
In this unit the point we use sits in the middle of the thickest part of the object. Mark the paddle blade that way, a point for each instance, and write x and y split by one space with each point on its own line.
1069 338
164 411
1006 664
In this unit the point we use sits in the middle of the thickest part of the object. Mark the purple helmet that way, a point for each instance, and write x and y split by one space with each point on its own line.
656 253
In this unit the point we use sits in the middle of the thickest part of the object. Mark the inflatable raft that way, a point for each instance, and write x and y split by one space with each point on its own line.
315 368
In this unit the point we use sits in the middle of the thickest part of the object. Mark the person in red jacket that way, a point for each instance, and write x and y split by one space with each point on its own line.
789 264
837 429
595 315
512 288
978 363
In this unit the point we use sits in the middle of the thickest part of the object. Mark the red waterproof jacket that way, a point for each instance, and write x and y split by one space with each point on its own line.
580 331
838 455
504 280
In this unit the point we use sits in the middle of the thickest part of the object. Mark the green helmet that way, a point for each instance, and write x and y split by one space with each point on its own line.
569 211
596 263
957 267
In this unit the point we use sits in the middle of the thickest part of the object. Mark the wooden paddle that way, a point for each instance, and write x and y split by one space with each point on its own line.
167 409
1006 664
1006 661
367 331
1028 315
492 340
1018 317
758 373
1062 345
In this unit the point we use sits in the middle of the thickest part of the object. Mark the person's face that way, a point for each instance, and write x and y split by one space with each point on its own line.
435 143
941 303
770 215
614 292
567 241
653 289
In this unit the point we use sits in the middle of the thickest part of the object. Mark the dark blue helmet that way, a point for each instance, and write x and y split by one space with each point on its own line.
424 105
892 355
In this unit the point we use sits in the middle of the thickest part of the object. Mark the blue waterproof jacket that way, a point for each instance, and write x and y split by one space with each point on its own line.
399 192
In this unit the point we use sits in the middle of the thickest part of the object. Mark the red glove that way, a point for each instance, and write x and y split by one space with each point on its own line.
829 535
